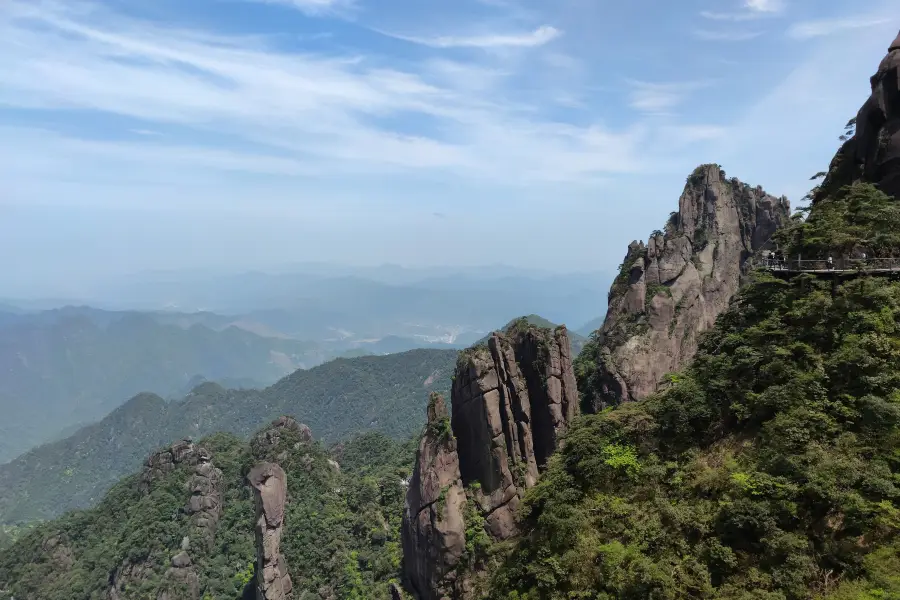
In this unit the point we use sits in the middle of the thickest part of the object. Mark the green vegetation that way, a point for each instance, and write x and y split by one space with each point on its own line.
768 469
337 400
856 218
657 289
74 369
342 528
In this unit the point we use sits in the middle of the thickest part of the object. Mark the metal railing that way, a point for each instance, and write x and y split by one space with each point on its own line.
840 265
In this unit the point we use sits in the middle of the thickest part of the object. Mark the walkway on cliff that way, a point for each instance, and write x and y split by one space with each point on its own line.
840 266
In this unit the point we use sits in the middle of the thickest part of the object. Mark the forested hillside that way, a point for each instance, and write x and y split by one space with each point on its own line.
337 399
769 468
340 533
66 368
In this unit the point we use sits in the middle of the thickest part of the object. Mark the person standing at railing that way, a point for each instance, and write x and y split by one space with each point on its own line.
830 263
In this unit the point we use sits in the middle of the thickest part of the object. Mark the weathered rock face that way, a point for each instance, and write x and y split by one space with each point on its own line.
876 144
671 290
269 482
205 503
271 436
433 532
203 507
872 153
512 400
166 460
128 574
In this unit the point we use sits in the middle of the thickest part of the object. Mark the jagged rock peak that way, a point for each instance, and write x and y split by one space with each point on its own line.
672 288
433 530
163 461
513 398
269 483
270 437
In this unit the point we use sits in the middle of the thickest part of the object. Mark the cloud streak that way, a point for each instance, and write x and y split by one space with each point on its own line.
752 10
311 7
539 37
240 104
725 36
765 6
825 27
660 98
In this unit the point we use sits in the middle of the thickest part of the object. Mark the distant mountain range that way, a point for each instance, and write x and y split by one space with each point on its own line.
576 340
66 367
320 302
337 399
161 332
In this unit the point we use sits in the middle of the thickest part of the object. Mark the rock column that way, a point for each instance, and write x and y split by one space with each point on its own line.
269 482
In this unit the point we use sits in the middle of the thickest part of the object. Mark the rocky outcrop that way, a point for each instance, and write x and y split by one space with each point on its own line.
58 552
877 139
269 483
126 576
272 435
433 531
204 507
671 289
512 398
872 153
181 580
166 460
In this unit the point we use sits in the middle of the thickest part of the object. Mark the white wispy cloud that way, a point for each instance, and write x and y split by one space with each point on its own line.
238 103
660 98
751 10
823 27
765 6
731 16
312 7
725 35
530 39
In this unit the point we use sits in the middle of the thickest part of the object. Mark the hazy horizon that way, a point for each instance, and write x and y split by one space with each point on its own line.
246 133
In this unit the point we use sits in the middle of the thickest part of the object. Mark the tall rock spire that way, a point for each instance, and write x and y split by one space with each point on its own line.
433 533
513 399
671 289
269 482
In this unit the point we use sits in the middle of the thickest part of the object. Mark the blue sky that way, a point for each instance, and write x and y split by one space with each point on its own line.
144 134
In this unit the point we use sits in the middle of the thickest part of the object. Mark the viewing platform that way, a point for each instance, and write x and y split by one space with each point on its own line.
839 266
